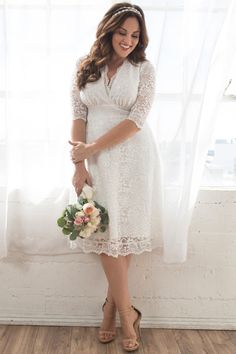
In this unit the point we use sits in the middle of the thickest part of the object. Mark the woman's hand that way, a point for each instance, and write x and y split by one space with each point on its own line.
81 151
80 177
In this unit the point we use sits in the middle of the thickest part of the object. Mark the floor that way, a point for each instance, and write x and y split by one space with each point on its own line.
22 339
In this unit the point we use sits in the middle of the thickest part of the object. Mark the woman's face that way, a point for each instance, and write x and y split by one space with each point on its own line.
126 37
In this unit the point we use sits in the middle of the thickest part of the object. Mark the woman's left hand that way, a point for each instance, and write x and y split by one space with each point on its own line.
81 151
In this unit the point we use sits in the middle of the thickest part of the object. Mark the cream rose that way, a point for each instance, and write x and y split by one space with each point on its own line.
87 192
95 220
86 232
88 208
79 214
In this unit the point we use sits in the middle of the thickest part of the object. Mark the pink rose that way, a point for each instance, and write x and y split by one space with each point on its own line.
78 221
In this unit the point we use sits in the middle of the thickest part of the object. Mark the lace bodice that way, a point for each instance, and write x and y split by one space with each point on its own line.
131 88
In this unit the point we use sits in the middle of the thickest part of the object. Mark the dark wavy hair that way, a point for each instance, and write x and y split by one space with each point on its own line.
101 50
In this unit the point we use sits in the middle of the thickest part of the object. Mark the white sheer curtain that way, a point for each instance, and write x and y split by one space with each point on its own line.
40 42
207 45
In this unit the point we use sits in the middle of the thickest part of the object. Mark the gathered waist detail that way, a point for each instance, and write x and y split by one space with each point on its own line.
108 108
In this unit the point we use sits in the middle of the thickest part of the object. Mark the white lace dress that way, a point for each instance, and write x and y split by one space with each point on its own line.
128 175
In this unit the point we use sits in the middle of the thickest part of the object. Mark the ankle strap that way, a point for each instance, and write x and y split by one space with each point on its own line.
125 309
109 302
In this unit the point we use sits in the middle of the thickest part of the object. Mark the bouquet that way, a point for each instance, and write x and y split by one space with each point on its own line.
84 217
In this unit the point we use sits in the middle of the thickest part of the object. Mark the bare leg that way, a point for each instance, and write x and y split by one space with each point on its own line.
109 312
109 318
116 271
109 292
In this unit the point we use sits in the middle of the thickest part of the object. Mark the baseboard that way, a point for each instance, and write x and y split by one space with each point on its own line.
147 322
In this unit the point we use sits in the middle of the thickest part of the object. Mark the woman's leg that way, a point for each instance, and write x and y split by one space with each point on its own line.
109 318
109 313
109 292
116 271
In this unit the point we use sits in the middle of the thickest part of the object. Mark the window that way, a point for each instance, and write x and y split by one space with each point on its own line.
220 166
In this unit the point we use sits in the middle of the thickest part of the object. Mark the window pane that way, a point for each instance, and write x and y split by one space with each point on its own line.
220 169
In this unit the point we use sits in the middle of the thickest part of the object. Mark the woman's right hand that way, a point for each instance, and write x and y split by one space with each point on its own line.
80 177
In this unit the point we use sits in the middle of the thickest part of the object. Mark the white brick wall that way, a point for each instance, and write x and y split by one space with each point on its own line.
70 289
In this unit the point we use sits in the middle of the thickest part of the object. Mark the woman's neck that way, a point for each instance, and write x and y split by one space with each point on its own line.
116 61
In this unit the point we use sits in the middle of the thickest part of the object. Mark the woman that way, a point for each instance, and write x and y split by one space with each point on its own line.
112 93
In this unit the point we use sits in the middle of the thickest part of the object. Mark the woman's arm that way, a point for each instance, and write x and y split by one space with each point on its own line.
79 112
78 130
138 114
78 133
116 135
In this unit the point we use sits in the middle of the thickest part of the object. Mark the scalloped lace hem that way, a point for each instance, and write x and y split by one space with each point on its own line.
112 248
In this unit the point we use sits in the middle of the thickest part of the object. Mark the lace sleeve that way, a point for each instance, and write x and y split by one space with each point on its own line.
79 109
146 91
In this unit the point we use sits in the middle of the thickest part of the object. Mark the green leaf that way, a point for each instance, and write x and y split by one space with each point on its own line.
74 210
97 205
71 210
104 219
100 207
61 222
78 206
74 235
82 201
68 215
69 227
66 231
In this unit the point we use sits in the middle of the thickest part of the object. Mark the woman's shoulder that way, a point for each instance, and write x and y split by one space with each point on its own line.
144 66
147 65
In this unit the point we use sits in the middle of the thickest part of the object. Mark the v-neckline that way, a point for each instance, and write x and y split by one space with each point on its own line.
108 82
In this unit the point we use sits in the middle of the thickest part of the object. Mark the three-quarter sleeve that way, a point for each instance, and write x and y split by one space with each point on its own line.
145 97
79 109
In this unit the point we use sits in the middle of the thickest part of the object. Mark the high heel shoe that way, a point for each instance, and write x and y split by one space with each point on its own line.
106 336
131 343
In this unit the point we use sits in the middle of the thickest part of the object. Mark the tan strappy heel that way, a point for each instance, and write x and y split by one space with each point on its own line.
108 335
131 343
